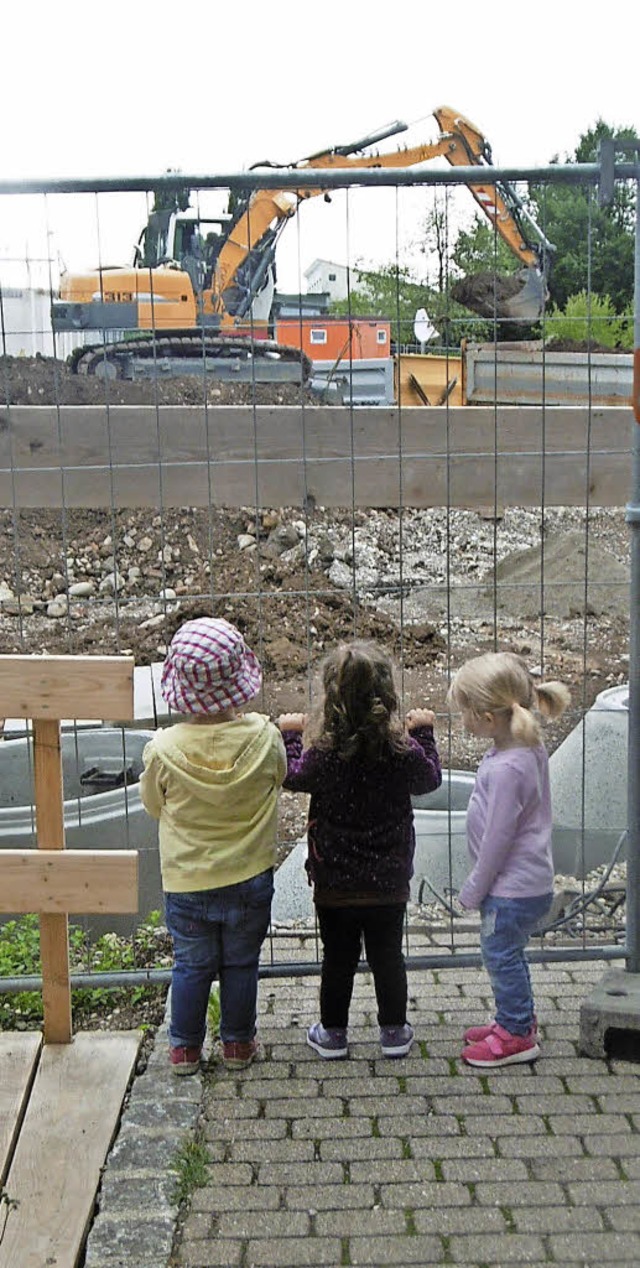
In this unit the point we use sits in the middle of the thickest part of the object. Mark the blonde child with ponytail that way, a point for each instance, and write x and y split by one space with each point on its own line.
509 841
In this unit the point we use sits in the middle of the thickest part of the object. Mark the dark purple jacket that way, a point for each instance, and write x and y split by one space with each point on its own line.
360 836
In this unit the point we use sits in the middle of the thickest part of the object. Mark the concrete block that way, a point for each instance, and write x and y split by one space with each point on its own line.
613 1006
588 775
101 769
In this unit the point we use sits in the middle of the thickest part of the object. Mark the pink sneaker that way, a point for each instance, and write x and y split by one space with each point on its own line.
475 1034
499 1047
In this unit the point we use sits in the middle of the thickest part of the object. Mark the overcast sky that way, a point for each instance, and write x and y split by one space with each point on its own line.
134 88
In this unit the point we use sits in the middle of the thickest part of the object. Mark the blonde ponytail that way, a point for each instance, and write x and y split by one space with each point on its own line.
524 728
552 698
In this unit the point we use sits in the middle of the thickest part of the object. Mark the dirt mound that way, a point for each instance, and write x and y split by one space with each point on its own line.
46 381
562 568
581 345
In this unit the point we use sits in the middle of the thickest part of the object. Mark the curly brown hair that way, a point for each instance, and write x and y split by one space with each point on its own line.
358 715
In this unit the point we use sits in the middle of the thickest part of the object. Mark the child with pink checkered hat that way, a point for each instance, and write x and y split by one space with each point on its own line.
212 781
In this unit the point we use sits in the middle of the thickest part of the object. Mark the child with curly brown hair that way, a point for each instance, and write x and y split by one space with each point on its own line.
361 767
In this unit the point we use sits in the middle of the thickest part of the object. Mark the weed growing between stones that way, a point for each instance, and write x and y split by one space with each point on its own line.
190 1164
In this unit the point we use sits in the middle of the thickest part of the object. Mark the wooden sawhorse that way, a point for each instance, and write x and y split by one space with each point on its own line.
60 1100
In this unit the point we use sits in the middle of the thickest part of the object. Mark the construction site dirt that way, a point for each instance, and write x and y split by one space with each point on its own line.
432 586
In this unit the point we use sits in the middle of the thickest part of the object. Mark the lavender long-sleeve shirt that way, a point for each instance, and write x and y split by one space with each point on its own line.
509 827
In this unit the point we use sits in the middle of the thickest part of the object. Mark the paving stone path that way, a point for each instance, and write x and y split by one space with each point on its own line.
376 1162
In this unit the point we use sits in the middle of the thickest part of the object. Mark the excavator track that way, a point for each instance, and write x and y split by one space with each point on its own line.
172 353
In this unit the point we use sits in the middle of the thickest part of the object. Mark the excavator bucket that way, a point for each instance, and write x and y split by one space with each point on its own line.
528 303
514 297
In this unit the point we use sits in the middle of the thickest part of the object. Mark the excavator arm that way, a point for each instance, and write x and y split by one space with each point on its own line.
265 211
176 294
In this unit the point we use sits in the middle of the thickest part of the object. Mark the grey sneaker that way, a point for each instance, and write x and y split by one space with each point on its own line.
396 1041
331 1044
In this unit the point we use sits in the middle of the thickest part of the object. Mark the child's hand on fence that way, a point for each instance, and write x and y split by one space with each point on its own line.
291 721
419 717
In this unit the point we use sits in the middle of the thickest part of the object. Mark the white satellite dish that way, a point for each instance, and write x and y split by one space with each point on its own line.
422 327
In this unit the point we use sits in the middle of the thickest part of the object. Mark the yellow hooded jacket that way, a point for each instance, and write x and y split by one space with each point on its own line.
214 789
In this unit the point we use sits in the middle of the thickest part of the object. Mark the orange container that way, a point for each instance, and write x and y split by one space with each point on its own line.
336 338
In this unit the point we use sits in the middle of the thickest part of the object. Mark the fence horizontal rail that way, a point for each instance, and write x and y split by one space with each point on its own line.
309 178
133 456
310 968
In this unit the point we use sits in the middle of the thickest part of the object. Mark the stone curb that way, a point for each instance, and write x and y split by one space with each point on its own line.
137 1209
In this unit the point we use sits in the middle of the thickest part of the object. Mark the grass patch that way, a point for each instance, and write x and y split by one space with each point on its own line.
148 947
213 1011
190 1164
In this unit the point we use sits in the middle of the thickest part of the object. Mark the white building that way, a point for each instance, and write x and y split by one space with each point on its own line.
325 275
26 318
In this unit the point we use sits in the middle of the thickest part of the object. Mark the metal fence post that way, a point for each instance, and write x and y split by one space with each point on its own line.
633 519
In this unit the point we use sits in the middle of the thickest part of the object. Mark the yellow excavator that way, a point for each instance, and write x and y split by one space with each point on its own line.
198 285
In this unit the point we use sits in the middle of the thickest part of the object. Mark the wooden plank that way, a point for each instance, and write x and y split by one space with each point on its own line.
180 455
18 1059
70 1122
56 687
76 881
54 929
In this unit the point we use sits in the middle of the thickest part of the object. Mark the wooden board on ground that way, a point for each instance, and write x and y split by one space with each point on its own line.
18 1059
71 1119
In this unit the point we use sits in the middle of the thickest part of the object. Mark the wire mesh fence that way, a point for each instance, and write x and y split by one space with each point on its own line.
396 450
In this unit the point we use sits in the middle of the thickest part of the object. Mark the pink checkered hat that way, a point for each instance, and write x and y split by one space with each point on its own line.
209 668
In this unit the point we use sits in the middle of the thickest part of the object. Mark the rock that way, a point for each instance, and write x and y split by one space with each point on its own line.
58 607
145 544
111 583
167 595
22 605
340 576
281 539
246 541
81 589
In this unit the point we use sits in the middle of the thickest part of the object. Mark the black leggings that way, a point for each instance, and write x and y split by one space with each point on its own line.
342 930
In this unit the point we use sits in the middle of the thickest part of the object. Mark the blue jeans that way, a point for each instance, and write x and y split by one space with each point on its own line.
217 933
506 926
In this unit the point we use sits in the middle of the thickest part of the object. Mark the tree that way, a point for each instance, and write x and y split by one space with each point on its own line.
479 249
594 245
396 294
590 318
